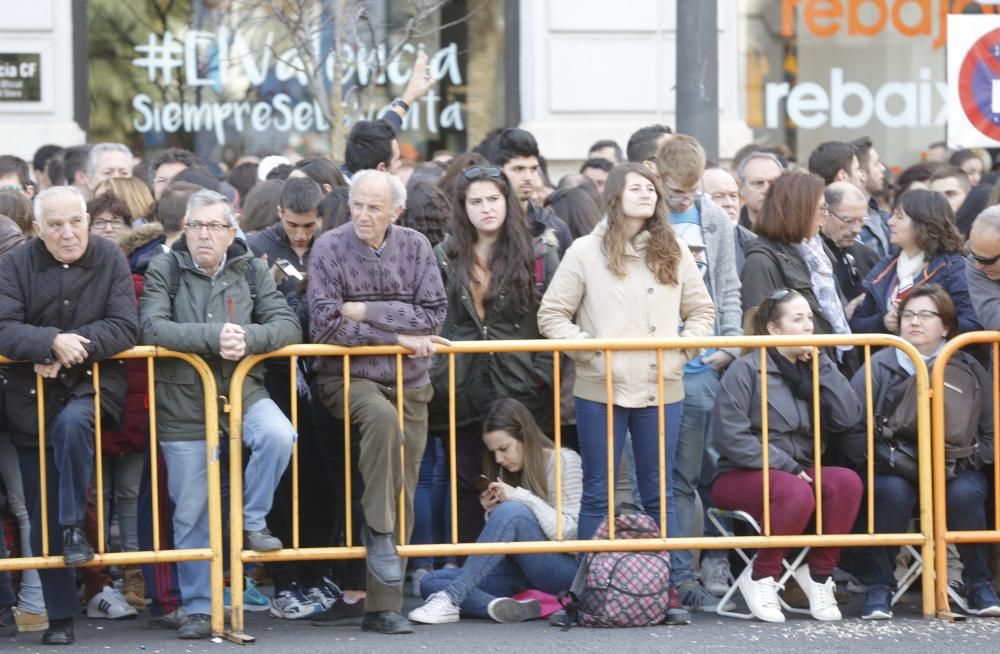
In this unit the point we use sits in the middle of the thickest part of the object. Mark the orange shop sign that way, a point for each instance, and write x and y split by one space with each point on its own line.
867 18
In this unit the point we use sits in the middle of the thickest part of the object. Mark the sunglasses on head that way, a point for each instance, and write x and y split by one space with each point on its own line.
481 171
776 298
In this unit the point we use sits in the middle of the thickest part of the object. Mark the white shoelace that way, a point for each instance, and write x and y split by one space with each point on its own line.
825 597
769 593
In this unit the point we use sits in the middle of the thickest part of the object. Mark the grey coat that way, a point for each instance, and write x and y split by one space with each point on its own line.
723 279
736 424
985 296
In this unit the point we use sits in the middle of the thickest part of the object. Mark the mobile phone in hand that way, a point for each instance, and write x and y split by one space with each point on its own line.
482 482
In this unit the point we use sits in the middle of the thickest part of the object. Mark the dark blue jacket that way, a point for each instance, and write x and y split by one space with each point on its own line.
947 270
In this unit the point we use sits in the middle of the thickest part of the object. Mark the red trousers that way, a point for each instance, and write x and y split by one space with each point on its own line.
793 502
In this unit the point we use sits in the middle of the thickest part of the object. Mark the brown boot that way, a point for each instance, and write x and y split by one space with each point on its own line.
134 588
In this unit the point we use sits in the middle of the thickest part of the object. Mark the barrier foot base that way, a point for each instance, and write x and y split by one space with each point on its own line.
239 637
951 616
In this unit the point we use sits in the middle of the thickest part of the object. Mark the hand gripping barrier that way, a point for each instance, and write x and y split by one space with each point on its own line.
212 554
924 539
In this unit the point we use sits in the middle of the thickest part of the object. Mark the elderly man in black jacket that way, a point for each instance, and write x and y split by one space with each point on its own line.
66 302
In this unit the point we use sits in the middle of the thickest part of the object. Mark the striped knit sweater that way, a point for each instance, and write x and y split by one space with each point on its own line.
572 490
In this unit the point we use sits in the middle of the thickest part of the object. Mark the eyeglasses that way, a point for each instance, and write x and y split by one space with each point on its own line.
776 298
214 228
982 261
846 221
115 223
482 171
921 316
690 197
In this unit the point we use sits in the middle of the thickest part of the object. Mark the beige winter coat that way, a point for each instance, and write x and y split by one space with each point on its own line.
605 305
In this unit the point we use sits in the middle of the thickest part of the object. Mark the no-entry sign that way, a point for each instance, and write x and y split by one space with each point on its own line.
973 81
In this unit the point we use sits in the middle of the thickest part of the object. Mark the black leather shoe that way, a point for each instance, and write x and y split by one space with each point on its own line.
60 632
382 557
386 622
8 623
76 549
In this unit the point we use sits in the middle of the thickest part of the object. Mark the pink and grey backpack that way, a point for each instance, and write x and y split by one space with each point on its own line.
622 589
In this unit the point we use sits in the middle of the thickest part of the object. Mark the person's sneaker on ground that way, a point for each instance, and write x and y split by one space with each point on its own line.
715 574
196 626
325 593
109 604
508 610
415 578
698 600
822 601
8 623
676 613
878 603
293 604
28 621
253 599
339 611
172 620
260 540
983 601
761 596
438 609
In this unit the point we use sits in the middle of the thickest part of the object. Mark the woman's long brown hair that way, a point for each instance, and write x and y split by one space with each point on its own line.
511 416
663 252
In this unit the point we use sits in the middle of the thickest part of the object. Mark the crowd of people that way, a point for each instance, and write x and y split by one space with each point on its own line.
101 252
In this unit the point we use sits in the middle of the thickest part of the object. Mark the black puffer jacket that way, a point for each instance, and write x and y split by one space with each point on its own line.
41 298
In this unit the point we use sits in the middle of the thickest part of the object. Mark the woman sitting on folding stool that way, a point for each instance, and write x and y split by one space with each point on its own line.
927 317
738 485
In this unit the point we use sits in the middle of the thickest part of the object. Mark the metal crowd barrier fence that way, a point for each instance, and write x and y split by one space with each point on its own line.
212 553
942 535
924 538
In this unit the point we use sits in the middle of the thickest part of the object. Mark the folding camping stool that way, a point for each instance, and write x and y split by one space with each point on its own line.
913 573
717 516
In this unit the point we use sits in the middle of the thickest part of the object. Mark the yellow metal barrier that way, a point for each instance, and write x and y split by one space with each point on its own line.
212 554
924 539
942 536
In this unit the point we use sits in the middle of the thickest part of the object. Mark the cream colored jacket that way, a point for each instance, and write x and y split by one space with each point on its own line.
586 300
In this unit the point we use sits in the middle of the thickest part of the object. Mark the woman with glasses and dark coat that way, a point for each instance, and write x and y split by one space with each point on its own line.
792 462
495 276
923 228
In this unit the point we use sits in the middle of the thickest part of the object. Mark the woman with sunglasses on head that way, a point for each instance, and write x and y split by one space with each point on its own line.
521 503
631 277
927 319
738 485
923 228
494 278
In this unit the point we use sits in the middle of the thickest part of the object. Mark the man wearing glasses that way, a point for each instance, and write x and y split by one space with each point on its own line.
983 267
841 231
210 296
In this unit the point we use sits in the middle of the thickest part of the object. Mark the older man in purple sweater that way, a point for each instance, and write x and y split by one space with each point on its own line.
375 283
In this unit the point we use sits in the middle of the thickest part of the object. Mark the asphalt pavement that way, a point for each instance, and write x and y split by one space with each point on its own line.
908 632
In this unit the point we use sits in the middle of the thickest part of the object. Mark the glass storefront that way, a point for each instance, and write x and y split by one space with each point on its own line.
226 78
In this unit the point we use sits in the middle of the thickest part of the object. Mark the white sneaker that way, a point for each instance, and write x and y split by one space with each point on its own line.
715 574
110 605
438 609
761 596
822 603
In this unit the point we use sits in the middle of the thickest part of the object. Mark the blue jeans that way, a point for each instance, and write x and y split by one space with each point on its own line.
484 577
269 435
71 436
7 598
429 501
700 389
966 498
643 424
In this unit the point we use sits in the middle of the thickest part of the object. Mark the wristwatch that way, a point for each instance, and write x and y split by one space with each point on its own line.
401 103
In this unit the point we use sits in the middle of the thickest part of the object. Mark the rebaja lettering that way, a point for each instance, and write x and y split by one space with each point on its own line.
868 18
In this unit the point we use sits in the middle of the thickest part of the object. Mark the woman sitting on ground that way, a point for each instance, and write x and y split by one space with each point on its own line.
927 317
738 485
521 505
